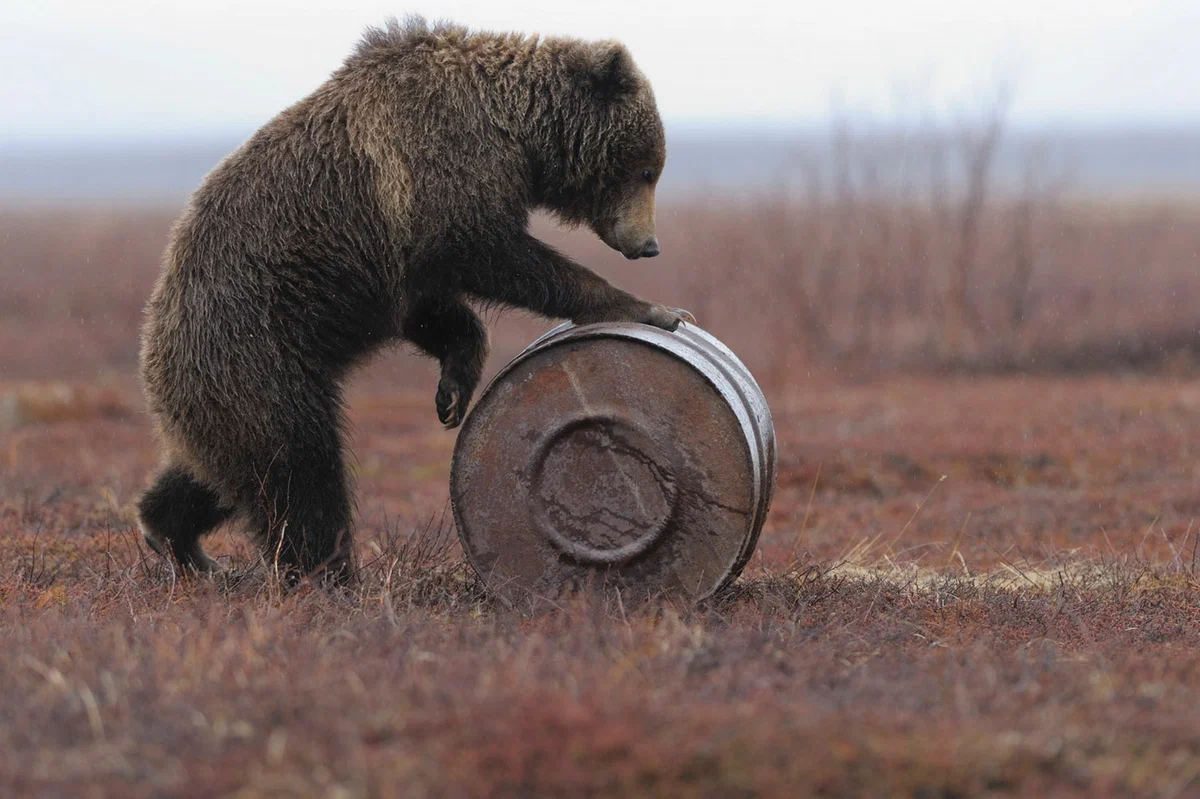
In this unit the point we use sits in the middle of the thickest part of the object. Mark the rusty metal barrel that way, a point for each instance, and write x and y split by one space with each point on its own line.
616 454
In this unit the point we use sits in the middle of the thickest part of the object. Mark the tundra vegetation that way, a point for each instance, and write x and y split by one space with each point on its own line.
979 575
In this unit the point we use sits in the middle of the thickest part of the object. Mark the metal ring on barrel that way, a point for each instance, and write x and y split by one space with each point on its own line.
553 519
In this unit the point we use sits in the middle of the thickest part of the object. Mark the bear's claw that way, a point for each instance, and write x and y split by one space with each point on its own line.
685 315
448 410
668 319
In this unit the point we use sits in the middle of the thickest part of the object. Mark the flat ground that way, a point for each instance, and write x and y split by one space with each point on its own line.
962 587
965 587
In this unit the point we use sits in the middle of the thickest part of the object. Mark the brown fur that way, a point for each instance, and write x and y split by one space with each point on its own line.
372 211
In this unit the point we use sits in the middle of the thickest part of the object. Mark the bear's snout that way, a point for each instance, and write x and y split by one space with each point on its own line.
648 249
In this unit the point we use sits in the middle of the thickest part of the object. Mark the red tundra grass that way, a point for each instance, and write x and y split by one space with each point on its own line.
968 585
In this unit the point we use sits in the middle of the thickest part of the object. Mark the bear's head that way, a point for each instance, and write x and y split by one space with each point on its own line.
613 149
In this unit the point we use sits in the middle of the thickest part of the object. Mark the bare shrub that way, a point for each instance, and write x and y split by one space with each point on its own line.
902 246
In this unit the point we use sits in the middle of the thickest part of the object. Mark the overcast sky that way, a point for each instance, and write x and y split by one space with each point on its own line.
120 68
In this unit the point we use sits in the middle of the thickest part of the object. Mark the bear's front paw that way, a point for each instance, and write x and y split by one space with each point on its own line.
450 407
668 318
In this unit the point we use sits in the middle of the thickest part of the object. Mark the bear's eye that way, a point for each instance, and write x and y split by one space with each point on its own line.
648 176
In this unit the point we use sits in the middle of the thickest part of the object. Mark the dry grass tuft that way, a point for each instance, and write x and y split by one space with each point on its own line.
56 401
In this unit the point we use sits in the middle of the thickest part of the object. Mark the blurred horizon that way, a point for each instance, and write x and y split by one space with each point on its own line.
1119 161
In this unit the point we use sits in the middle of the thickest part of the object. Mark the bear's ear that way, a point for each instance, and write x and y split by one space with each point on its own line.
605 68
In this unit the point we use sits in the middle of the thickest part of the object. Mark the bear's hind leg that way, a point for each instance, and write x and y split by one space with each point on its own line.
175 512
303 512
450 331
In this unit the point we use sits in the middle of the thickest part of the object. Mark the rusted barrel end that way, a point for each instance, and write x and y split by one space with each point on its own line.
615 454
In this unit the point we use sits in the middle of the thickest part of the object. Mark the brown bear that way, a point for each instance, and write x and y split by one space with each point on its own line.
369 212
